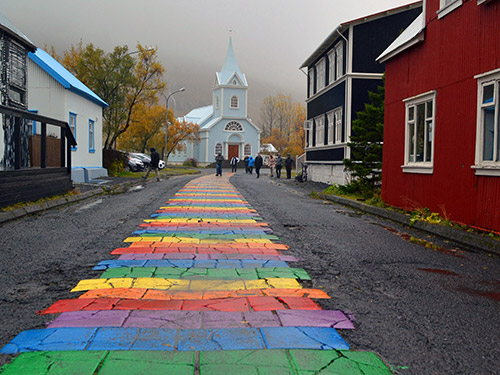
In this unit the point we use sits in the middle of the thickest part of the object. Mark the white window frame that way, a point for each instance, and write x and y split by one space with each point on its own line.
331 66
218 148
448 6
331 127
247 149
229 127
423 167
488 167
337 113
91 136
234 102
320 130
311 82
320 74
339 60
72 126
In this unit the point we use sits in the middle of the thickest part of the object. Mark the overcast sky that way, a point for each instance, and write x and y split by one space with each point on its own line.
271 38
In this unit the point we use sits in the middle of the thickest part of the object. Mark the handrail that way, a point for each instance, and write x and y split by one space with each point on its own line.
42 119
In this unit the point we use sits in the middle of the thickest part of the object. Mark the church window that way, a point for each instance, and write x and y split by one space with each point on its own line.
234 101
233 126
218 148
235 82
217 102
248 149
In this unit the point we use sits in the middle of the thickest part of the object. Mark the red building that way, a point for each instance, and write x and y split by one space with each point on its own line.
442 113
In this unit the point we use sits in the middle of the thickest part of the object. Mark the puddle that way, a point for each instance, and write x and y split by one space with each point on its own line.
89 205
438 271
292 227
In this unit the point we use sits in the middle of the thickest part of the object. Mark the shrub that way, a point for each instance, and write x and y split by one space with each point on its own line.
191 162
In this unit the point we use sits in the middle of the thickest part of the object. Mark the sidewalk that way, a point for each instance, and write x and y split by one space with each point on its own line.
469 240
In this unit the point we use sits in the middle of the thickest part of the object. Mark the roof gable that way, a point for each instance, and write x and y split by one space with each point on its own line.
9 27
63 76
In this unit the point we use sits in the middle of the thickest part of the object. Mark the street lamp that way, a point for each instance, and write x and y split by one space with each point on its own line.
166 119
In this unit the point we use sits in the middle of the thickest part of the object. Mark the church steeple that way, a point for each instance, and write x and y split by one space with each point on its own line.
230 68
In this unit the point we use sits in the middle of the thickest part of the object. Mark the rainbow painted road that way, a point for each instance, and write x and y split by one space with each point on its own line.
203 287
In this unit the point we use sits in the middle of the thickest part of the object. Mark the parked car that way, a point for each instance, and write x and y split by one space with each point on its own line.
134 164
146 159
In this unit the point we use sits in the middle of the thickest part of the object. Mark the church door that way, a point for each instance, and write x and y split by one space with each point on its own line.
232 150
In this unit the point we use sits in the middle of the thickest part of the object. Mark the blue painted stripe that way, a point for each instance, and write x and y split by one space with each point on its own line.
114 338
188 263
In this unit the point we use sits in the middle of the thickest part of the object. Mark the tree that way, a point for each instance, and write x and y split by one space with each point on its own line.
121 80
282 123
366 143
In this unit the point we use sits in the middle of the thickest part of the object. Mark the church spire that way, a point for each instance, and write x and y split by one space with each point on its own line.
230 66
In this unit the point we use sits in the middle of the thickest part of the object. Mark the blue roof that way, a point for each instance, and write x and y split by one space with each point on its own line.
197 115
230 67
63 76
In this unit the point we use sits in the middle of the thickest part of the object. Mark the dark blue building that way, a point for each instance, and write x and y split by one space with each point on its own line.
341 72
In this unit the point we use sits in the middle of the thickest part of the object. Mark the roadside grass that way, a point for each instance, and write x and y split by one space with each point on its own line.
166 172
40 201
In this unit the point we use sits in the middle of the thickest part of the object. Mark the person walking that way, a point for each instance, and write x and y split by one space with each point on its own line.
271 162
288 166
279 165
218 164
234 163
251 163
246 163
155 161
258 164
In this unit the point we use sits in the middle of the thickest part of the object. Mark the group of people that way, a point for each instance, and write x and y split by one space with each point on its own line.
275 164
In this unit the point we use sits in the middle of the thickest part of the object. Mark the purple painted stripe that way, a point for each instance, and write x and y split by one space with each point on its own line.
179 256
203 319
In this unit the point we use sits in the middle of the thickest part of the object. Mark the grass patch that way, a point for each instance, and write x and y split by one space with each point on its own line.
165 172
40 201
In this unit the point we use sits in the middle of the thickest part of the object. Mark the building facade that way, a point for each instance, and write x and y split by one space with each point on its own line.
55 92
224 125
341 72
442 113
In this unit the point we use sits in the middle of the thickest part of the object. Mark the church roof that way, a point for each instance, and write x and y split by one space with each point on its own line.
198 115
230 67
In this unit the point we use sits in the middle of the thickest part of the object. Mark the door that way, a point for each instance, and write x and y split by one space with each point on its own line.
232 150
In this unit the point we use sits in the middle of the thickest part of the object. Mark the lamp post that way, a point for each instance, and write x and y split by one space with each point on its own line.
167 97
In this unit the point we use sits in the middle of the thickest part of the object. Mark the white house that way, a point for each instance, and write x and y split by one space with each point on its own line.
54 92
224 125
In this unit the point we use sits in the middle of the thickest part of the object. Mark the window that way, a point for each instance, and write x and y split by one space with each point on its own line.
218 148
234 101
339 54
335 126
488 125
217 102
331 66
31 124
91 136
320 74
72 126
247 150
448 6
311 82
320 130
419 143
233 126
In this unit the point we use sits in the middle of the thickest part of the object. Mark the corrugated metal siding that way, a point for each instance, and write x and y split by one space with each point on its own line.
457 47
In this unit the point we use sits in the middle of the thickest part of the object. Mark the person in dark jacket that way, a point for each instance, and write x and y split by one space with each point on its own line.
246 163
218 164
258 164
155 161
279 165
288 166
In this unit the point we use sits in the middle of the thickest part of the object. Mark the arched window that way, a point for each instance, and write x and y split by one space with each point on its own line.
233 126
248 149
218 148
234 101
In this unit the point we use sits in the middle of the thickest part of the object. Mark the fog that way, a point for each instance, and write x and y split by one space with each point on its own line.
271 38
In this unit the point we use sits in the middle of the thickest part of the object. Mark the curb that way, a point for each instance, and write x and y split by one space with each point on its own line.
471 240
17 213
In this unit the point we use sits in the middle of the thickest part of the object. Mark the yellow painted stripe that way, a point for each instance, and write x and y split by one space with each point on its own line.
180 284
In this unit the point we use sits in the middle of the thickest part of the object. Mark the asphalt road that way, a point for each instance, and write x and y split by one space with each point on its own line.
424 311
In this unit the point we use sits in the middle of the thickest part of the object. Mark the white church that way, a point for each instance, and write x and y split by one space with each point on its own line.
224 125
